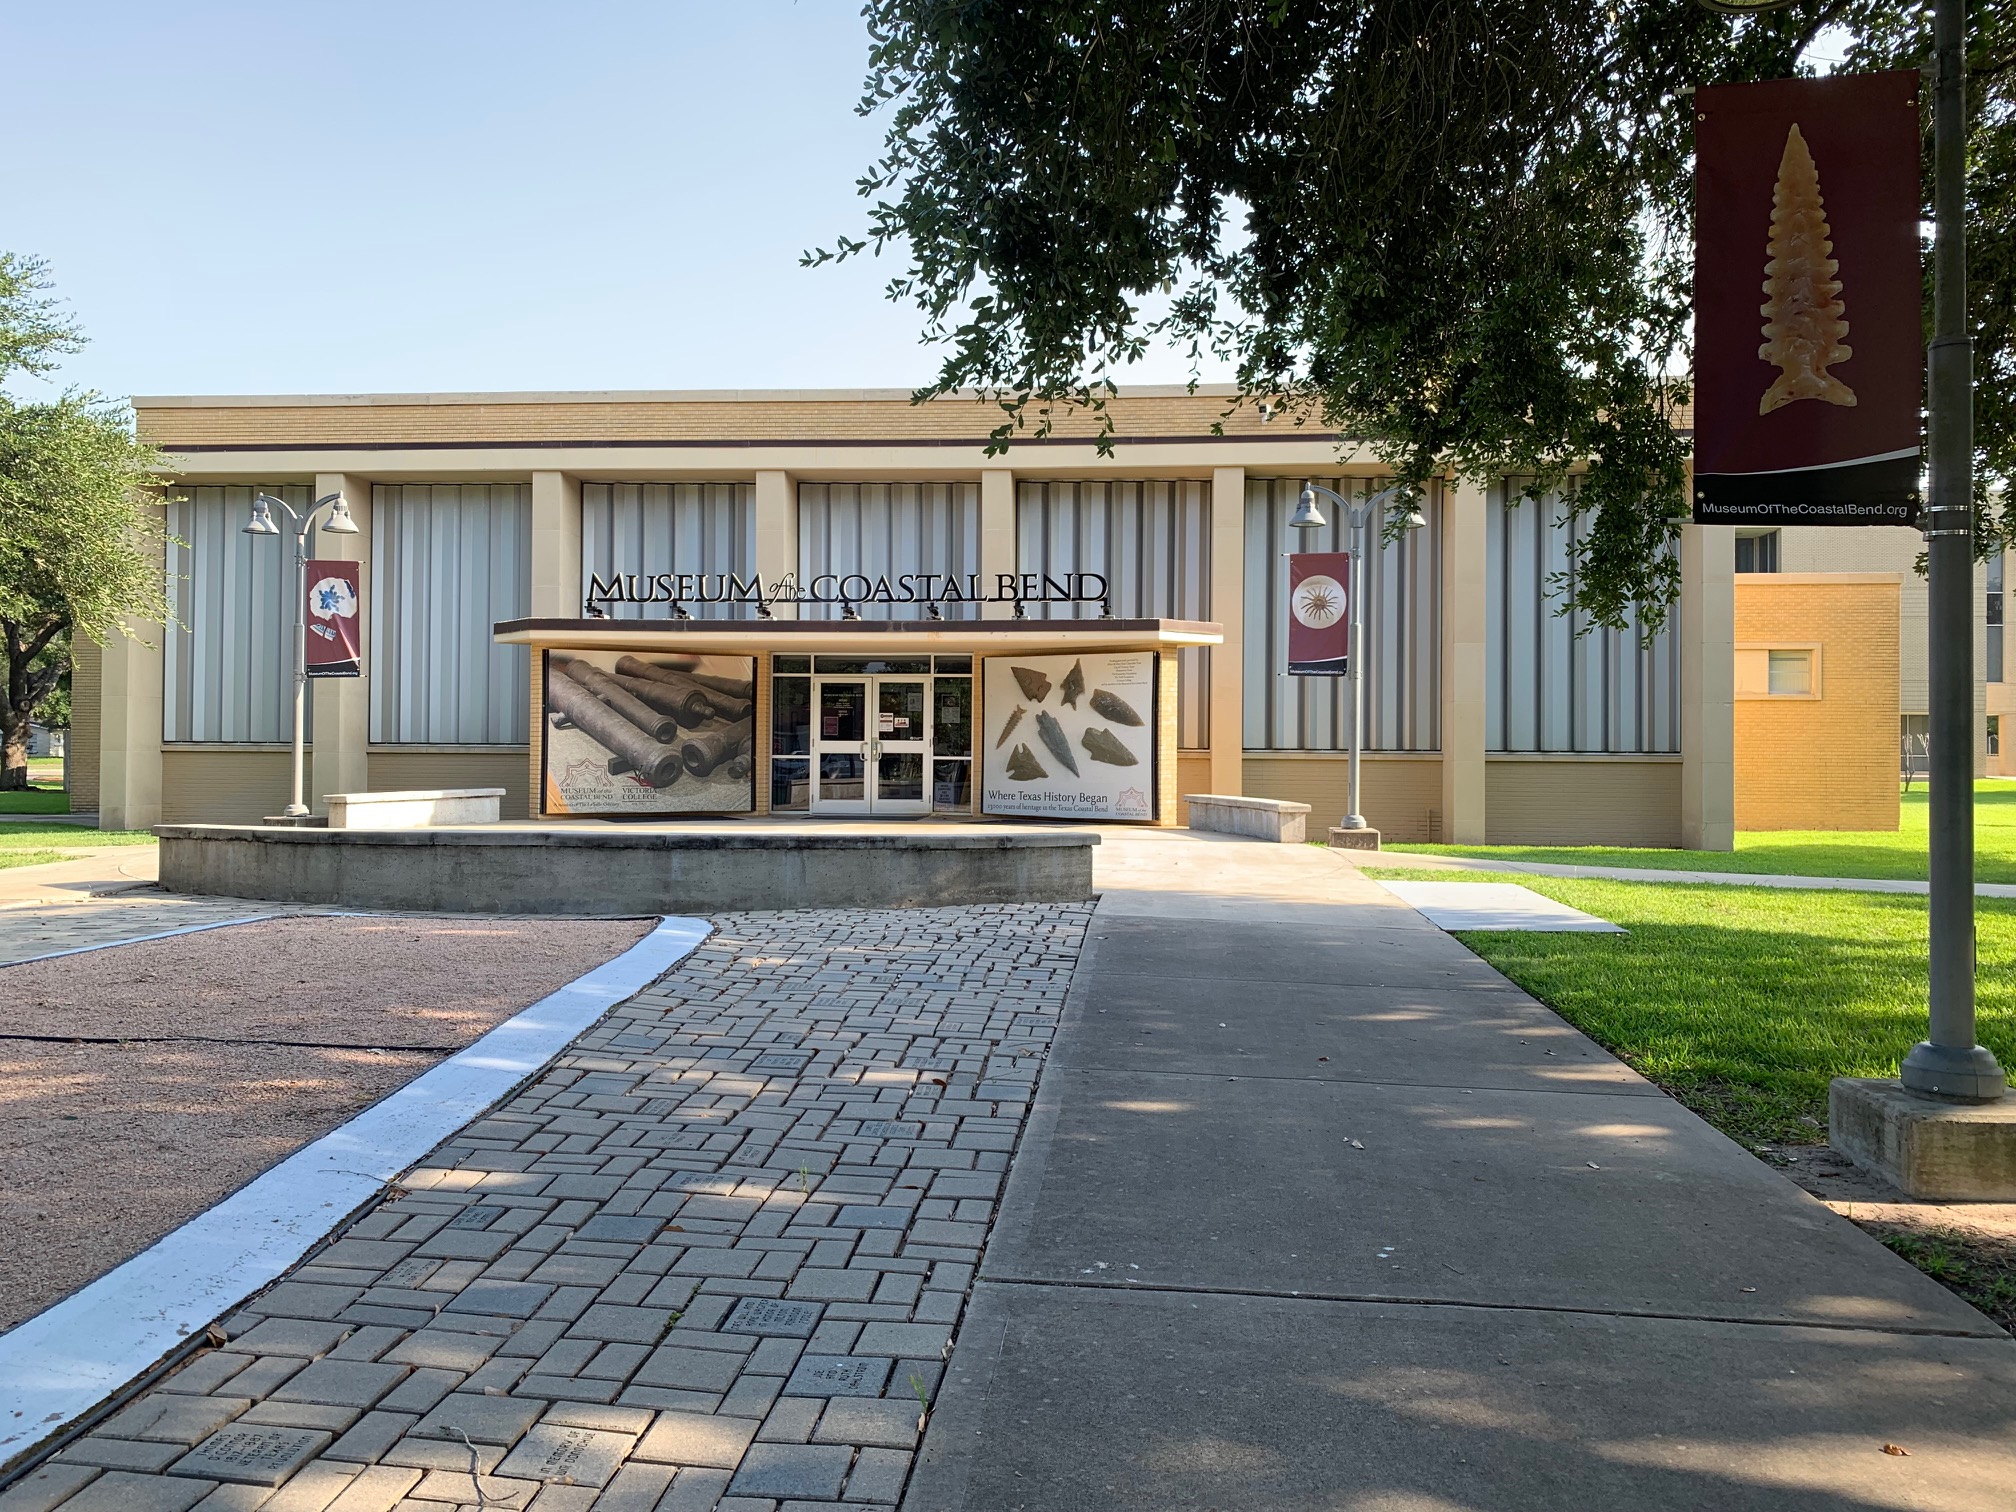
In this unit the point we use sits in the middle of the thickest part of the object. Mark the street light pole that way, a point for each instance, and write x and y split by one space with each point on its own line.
1948 1062
1358 515
337 523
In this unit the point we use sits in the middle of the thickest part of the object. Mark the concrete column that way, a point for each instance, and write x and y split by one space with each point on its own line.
556 546
342 713
1227 727
1464 549
1707 687
777 532
129 730
998 551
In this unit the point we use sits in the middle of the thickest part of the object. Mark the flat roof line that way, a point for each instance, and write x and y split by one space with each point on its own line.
626 396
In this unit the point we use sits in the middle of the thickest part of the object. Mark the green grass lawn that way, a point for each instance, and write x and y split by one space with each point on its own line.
1799 853
35 800
1744 1002
30 844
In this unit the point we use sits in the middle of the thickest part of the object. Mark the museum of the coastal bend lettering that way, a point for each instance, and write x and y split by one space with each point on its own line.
930 588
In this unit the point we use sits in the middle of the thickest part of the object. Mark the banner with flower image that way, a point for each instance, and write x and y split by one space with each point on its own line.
1319 613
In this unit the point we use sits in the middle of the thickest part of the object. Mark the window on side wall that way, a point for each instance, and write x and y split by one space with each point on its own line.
1757 551
1777 671
1997 568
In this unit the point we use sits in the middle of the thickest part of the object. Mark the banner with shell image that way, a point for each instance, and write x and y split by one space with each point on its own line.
1808 350
1070 737
649 734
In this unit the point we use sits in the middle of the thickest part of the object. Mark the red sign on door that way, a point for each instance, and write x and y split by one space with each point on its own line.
334 615
1319 613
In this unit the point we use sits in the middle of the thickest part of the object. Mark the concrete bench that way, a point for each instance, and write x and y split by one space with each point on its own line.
415 810
1256 818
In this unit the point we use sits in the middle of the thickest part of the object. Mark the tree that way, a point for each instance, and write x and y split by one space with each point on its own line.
80 538
1461 233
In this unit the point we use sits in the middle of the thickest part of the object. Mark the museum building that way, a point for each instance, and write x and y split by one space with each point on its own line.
837 603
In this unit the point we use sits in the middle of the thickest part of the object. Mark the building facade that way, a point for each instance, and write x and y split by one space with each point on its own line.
1489 717
1811 551
1817 659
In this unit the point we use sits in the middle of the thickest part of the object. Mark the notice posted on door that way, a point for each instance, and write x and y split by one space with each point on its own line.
1070 737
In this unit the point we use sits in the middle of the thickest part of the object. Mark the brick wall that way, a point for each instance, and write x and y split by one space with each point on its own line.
1828 762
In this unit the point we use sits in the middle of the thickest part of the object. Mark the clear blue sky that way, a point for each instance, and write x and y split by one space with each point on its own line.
446 195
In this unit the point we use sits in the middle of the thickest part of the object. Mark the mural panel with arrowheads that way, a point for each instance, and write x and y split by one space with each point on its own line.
1070 737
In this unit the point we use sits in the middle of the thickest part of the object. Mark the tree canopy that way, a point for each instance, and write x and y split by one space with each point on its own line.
1459 233
80 538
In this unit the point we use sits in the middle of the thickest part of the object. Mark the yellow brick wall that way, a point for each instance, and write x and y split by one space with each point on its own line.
1826 763
1581 801
208 785
86 694
1402 794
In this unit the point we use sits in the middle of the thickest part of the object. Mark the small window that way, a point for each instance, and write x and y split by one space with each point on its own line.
1994 734
1791 674
783 664
1757 553
1781 671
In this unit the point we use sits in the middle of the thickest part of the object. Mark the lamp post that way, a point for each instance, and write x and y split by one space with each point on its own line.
262 524
1358 515
1950 1062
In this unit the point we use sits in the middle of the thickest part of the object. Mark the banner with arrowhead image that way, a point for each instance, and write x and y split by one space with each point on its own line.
334 613
1319 613
1809 360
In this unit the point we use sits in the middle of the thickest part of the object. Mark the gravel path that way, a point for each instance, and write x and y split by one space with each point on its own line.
143 1083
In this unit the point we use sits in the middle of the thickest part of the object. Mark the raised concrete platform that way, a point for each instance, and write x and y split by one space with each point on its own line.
597 869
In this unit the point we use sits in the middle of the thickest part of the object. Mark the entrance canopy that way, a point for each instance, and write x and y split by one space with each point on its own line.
1054 719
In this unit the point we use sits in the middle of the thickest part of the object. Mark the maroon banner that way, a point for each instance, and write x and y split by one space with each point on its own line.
334 611
1319 613
1808 353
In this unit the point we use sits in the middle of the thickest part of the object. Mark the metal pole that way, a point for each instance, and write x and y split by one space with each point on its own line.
1948 1063
1360 513
297 807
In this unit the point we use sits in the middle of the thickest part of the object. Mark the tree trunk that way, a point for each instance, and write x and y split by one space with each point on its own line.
25 689
14 760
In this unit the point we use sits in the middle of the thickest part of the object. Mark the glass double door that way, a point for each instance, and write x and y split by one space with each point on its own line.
871 745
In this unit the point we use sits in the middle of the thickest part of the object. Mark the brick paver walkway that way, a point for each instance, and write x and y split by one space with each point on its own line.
709 1262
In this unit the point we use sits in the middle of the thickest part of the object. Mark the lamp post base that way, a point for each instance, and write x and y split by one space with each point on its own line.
1353 839
1970 1076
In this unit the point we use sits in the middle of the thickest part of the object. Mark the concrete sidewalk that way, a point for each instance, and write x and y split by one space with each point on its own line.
1317 1211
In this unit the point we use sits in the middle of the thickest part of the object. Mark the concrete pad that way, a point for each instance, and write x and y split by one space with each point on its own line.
1257 1185
1495 905
1480 1036
1922 1145
1059 1399
1412 954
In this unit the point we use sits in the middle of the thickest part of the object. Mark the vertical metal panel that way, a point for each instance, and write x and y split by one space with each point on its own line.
1403 620
228 655
885 530
1151 541
649 528
448 561
1554 683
